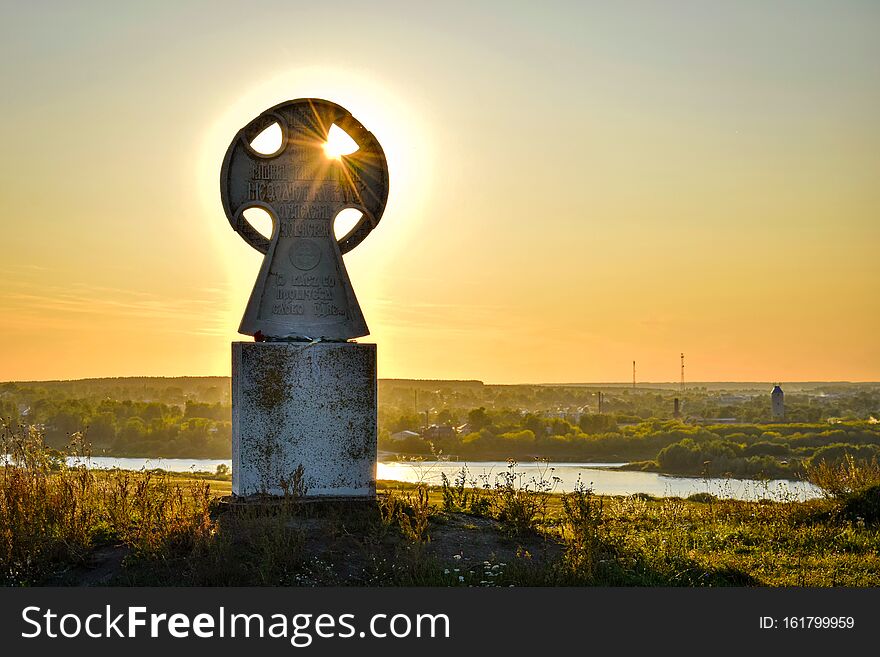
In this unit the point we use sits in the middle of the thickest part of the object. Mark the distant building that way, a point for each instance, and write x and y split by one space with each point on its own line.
403 435
777 403
560 414
436 431
733 399
714 420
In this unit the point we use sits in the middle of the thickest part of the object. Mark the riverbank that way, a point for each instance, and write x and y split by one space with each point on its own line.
495 523
603 478
76 526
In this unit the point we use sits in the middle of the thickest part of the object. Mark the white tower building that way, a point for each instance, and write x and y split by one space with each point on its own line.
777 403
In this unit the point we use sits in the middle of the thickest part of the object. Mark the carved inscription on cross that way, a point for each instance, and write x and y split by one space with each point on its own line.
303 290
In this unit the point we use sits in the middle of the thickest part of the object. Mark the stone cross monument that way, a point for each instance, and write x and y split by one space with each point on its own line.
303 396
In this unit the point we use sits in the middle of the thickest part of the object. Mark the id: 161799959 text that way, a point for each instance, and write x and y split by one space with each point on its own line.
808 623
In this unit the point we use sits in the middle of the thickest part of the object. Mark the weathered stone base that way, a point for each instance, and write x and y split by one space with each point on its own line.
304 419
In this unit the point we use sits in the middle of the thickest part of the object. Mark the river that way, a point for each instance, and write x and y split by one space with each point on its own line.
605 482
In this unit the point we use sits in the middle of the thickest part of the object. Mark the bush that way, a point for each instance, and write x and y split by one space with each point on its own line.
764 448
842 479
52 514
597 423
582 515
463 494
521 506
864 506
839 453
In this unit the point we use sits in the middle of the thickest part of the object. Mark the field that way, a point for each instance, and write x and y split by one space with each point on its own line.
71 526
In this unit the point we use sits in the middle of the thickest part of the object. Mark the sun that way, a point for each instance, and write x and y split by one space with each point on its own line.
339 143
398 121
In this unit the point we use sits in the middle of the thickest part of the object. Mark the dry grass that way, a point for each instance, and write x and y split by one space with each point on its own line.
842 479
55 518
53 515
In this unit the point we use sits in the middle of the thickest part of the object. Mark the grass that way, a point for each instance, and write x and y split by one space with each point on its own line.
72 525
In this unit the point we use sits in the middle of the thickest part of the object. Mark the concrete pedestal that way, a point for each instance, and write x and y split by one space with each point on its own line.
304 419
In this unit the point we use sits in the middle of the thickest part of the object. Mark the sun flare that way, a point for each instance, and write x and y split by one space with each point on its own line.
339 143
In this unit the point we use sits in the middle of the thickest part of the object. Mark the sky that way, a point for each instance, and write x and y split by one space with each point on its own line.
573 185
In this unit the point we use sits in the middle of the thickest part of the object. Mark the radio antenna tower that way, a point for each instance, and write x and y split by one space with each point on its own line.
634 375
682 372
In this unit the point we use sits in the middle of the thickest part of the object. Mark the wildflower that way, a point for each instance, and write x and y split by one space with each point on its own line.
446 571
461 578
457 557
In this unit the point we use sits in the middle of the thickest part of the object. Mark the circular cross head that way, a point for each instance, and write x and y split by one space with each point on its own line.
300 178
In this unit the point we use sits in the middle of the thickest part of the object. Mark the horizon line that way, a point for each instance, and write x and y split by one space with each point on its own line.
628 384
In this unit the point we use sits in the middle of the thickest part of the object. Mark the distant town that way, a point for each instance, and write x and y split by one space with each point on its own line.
743 429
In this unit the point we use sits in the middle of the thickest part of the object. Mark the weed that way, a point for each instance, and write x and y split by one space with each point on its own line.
464 494
703 498
841 479
55 515
520 505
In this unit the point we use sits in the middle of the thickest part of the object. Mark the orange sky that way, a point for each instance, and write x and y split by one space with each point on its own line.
572 187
